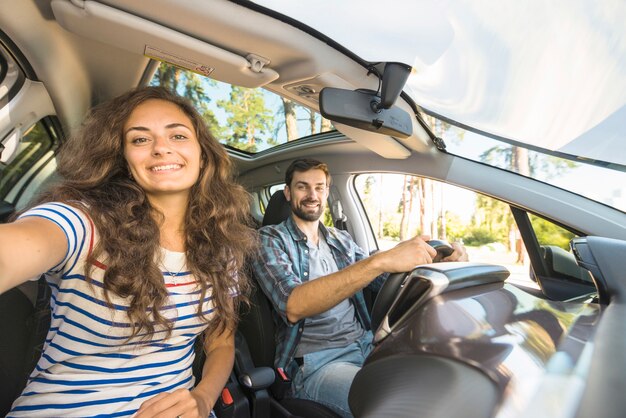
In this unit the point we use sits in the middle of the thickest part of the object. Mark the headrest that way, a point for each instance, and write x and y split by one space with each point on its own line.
278 209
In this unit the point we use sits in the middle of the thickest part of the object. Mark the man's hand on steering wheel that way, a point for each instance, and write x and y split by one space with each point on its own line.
459 254
406 255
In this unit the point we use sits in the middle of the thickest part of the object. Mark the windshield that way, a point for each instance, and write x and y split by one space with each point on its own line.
548 75
592 181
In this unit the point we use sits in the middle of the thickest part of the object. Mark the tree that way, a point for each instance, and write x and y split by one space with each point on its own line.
436 227
191 86
520 164
312 121
325 125
291 123
250 122
424 199
520 161
405 200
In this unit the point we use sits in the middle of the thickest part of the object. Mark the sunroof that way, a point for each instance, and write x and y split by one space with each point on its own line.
250 120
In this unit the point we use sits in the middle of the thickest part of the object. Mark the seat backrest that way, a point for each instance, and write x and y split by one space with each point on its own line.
25 313
257 327
278 209
257 324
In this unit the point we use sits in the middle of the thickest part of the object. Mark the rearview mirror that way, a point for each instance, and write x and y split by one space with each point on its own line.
365 109
354 108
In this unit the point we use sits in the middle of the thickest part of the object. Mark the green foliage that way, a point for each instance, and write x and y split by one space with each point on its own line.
503 156
191 86
391 230
499 156
327 218
480 235
492 216
250 119
551 234
455 227
249 122
550 166
34 144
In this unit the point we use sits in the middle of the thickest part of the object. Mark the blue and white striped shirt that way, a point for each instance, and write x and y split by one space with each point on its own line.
88 366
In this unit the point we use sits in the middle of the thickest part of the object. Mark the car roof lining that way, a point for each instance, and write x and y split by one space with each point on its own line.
143 37
208 35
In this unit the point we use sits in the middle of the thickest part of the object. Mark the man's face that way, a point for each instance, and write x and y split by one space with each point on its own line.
307 194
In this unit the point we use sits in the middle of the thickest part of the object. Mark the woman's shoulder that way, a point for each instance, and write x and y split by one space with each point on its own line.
74 207
72 213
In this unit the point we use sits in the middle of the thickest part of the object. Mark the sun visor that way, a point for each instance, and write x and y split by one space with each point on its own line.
383 145
135 34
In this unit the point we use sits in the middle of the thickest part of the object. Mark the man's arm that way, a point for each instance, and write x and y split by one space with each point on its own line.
319 295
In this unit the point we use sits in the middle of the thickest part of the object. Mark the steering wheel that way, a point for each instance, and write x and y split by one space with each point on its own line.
443 248
390 288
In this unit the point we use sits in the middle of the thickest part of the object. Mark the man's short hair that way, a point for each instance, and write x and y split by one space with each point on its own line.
305 164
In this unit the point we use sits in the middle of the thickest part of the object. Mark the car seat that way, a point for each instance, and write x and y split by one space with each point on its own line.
257 345
26 318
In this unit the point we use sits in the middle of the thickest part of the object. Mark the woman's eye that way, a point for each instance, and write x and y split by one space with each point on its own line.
179 137
139 140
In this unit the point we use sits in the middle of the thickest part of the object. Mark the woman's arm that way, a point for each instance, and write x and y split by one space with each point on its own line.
29 247
220 356
197 403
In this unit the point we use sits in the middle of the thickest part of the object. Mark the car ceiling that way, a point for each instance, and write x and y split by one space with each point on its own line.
76 51
88 51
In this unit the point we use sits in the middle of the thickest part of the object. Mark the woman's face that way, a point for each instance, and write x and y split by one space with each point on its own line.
161 149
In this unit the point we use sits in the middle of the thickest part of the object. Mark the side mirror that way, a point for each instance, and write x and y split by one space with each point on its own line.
365 109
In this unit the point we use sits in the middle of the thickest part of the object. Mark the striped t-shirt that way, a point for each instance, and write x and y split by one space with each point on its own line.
88 368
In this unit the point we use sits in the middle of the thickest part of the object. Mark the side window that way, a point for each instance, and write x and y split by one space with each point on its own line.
548 233
401 206
31 147
26 147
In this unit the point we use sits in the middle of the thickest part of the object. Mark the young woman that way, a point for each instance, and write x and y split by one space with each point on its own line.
142 245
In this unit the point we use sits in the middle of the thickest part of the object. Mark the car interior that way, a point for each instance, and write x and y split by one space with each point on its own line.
58 58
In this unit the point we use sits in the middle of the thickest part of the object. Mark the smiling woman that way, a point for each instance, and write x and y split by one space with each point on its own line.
146 191
162 151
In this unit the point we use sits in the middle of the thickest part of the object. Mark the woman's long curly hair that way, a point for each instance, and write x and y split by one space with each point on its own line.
218 237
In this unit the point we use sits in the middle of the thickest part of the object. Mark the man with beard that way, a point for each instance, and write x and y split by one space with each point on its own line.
313 276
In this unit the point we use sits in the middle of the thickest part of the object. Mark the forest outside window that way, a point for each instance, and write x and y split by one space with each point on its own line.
247 119
401 206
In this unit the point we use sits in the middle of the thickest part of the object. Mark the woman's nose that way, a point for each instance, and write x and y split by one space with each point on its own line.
161 146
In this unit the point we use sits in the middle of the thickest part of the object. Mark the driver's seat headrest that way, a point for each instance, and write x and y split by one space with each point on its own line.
278 209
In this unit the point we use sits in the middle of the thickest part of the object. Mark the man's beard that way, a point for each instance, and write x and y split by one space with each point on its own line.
304 215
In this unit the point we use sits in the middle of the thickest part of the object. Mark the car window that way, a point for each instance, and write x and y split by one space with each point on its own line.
401 206
600 182
32 146
247 119
549 233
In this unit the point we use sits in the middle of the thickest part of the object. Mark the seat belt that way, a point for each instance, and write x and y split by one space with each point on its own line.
341 220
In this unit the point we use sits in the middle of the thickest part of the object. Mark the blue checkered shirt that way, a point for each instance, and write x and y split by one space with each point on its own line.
283 264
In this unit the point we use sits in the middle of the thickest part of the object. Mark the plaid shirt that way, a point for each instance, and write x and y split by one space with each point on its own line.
283 264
